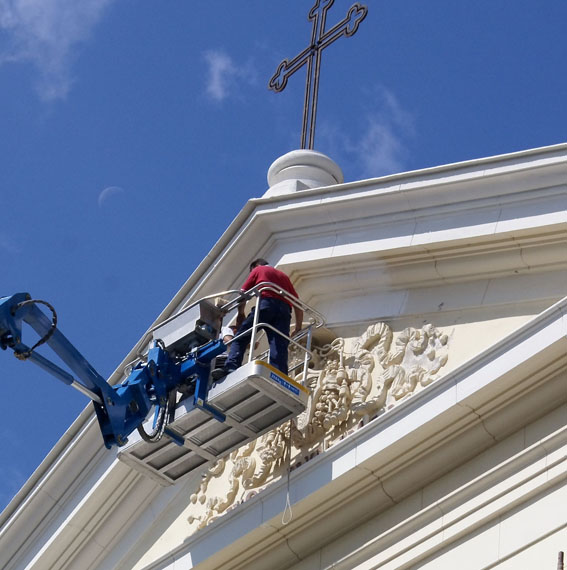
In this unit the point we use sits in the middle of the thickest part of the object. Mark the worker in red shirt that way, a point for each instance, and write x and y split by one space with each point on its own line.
274 309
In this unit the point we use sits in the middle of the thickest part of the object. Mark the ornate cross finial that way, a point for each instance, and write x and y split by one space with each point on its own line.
311 56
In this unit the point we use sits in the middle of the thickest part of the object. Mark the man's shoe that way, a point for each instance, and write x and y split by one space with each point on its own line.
219 373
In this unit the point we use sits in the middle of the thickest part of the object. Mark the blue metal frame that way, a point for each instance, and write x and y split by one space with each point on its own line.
122 408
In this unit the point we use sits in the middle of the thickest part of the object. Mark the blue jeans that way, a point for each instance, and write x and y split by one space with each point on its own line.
273 312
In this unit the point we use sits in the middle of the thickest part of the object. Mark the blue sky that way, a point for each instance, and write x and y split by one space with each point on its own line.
133 132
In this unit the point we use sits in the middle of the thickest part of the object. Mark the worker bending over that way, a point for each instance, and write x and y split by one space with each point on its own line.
274 309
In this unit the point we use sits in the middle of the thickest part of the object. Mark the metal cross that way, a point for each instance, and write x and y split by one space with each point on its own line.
311 56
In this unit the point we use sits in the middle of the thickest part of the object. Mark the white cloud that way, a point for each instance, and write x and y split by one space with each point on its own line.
223 74
380 146
46 33
380 149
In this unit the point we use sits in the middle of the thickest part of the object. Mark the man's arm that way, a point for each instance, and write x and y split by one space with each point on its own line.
298 320
241 314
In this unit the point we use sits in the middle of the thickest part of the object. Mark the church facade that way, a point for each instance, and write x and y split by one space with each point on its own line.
436 430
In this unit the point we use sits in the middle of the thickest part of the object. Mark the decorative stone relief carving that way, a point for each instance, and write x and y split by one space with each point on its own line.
351 382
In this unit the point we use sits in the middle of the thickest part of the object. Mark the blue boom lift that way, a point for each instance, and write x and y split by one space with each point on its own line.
172 377
122 408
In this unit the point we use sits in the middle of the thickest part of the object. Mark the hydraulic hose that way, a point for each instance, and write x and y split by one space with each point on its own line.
27 353
161 421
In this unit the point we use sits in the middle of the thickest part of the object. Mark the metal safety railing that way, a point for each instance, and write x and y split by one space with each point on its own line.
303 338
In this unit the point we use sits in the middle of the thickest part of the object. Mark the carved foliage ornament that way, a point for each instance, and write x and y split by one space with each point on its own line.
351 382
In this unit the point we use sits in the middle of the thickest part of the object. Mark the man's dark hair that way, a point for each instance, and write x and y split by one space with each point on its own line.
259 261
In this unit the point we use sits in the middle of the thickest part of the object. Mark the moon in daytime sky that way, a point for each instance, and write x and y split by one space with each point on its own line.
107 193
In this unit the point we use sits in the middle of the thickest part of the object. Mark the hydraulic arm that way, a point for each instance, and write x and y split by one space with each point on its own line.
122 408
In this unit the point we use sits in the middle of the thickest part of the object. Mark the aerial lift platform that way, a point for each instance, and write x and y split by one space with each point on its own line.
254 399
183 419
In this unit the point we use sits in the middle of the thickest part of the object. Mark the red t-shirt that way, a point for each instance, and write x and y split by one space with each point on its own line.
269 274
